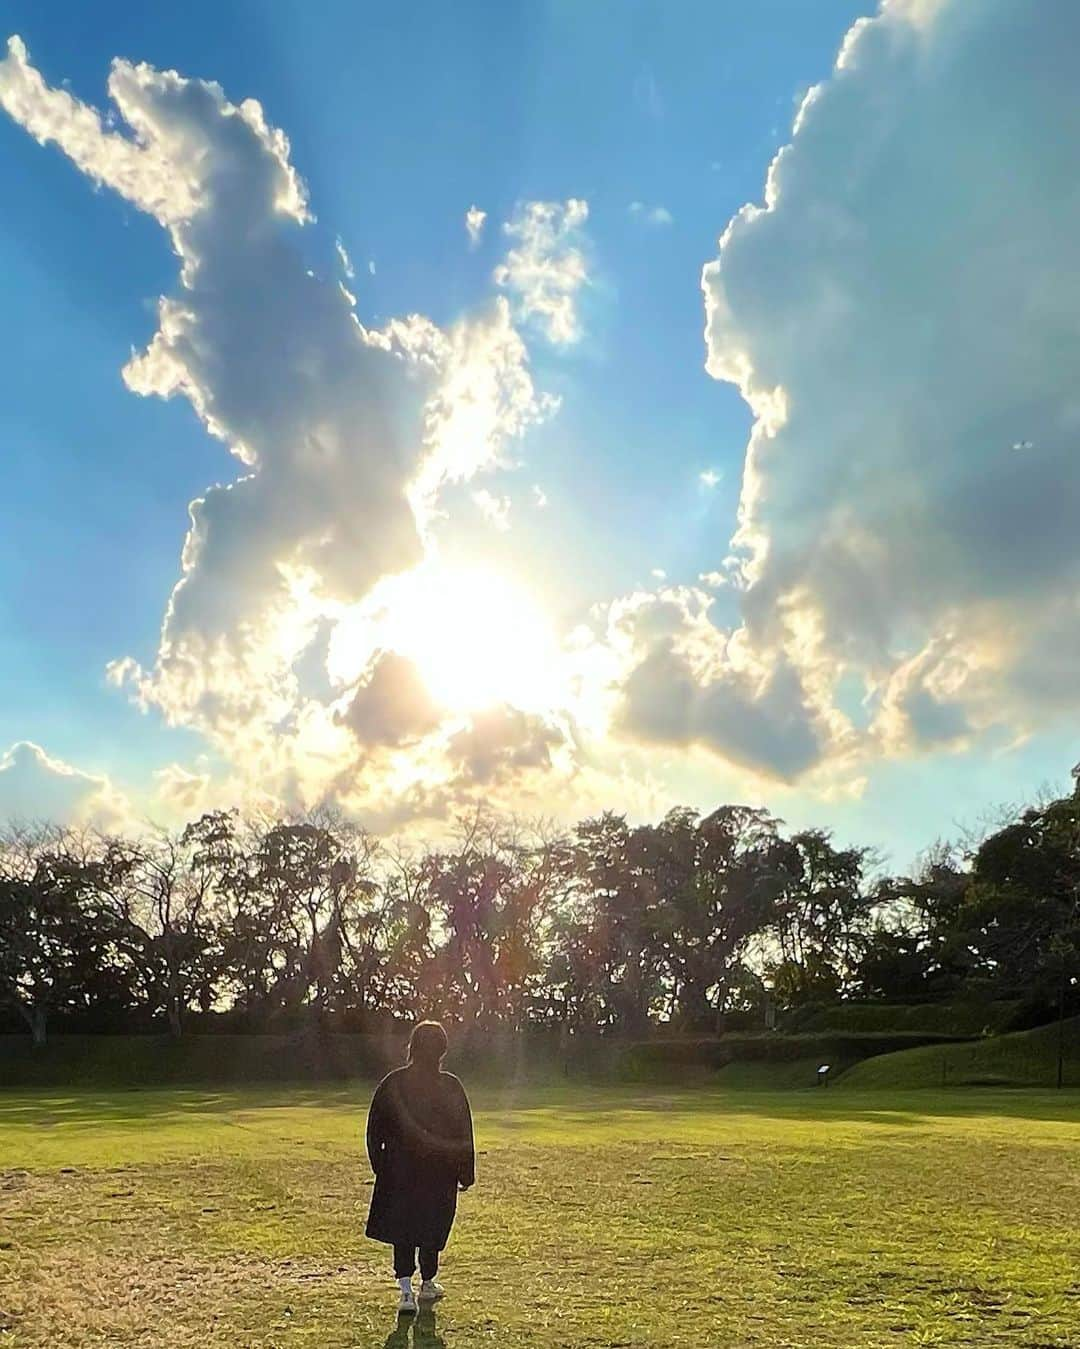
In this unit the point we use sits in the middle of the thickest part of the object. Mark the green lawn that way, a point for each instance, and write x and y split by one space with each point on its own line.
602 1217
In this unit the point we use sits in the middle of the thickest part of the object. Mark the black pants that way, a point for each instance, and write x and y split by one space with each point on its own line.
405 1262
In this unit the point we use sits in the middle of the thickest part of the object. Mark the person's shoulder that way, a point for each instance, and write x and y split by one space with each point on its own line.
450 1081
390 1080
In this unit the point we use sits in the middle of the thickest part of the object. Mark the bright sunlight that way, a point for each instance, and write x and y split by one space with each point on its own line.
476 636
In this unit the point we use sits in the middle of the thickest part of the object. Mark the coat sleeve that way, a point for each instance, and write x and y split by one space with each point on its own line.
376 1129
466 1146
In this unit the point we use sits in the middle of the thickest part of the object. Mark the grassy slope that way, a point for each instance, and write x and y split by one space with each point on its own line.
618 1217
1025 1058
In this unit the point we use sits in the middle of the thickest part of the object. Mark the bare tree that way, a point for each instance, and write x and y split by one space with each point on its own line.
166 923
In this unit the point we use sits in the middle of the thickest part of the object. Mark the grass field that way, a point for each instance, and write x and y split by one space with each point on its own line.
612 1217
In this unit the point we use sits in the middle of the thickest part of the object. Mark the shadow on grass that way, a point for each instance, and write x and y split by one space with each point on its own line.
422 1326
514 1109
136 1105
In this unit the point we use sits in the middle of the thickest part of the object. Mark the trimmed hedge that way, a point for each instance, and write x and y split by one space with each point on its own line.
672 1059
304 1056
157 1060
941 1018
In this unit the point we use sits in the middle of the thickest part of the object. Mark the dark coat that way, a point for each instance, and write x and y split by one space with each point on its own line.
420 1145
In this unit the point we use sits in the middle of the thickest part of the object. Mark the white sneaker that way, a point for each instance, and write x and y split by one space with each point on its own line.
430 1291
407 1303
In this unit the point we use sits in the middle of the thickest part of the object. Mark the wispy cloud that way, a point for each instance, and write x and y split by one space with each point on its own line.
345 260
474 223
647 94
546 268
651 215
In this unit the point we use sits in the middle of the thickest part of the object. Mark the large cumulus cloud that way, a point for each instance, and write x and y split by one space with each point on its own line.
500 742
391 705
319 409
689 684
344 434
903 317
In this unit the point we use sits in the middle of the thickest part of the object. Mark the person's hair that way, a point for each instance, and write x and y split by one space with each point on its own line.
427 1044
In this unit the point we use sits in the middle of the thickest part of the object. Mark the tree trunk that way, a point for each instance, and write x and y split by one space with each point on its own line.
176 1028
35 1017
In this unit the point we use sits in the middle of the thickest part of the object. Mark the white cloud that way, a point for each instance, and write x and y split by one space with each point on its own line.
142 169
678 680
327 415
546 268
181 791
346 433
484 399
899 316
34 786
345 260
495 509
540 497
651 215
709 478
474 223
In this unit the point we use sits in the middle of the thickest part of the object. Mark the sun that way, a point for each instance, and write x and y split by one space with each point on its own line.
477 637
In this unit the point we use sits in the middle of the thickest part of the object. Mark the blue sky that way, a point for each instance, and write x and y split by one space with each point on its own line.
399 118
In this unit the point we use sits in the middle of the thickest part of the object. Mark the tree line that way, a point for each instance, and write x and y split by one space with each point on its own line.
699 923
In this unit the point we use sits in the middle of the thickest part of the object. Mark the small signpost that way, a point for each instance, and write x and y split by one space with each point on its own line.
823 1075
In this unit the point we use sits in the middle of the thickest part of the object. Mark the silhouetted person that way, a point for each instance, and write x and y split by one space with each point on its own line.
420 1144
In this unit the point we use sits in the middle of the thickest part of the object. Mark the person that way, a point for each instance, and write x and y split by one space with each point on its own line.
420 1145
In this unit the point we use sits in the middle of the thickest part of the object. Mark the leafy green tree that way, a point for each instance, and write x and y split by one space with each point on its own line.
313 879
612 895
715 883
893 965
821 914
57 948
1019 922
224 845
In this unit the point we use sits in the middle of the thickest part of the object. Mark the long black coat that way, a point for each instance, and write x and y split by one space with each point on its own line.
420 1145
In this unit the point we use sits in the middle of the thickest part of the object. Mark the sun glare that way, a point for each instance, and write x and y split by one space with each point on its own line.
476 636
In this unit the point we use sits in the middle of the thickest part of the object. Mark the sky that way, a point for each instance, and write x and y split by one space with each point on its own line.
550 406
